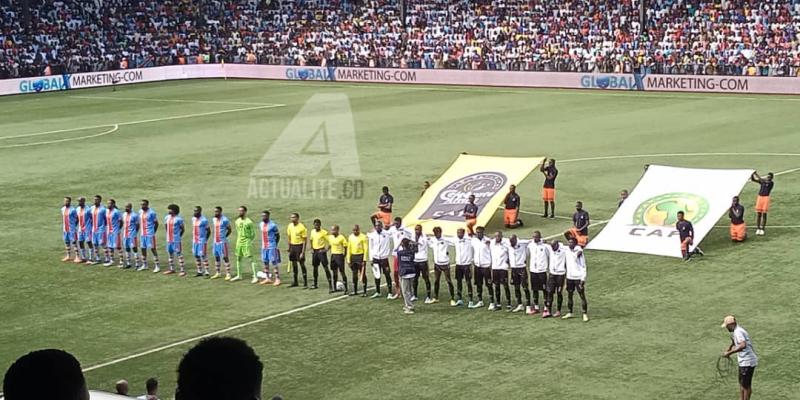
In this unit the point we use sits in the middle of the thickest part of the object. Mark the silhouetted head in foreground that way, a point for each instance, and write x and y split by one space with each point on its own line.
45 374
219 368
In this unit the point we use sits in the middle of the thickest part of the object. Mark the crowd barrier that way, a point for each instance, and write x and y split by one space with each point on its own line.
568 80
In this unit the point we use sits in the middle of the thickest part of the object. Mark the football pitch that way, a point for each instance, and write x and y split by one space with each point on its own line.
654 332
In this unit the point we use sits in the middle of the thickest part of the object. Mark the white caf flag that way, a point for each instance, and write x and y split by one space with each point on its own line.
645 223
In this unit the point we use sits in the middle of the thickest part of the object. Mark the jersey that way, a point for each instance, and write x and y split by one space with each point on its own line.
511 201
540 257
297 233
558 261
173 226
481 252
245 232
747 357
98 219
113 217
398 234
199 230
380 244
222 226
500 253
464 250
736 214
388 200
551 173
338 244
440 254
581 219
766 187
130 225
69 219
422 249
147 222
685 229
84 219
269 235
319 239
576 263
358 244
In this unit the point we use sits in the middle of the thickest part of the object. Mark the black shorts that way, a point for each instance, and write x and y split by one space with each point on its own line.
441 267
555 283
421 267
384 263
463 272
296 252
356 260
519 276
483 274
538 281
746 376
575 284
337 261
499 276
319 257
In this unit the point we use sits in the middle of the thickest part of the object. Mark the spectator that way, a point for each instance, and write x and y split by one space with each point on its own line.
122 387
219 368
45 374
152 390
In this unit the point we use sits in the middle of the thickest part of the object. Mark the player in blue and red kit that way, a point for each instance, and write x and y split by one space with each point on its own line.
173 226
130 236
200 234
222 229
270 236
98 212
148 221
69 226
84 233
113 228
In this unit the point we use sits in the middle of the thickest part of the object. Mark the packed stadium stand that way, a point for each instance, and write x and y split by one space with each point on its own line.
721 37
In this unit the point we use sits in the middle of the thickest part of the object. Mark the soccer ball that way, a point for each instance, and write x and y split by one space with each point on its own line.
339 285
261 275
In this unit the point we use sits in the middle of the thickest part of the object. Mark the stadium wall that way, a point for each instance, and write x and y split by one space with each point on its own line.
568 80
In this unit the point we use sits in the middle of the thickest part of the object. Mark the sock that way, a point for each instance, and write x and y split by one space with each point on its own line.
238 266
378 286
171 263
253 267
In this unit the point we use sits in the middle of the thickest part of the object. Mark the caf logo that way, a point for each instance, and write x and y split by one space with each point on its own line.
663 210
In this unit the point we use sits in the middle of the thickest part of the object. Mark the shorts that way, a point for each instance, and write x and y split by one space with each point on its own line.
500 276
575 284
99 238
549 194
421 267
463 272
243 251
174 248
385 217
356 261
113 240
131 242
555 283
296 252
762 204
271 256
84 236
221 249
69 237
510 217
685 243
337 261
538 281
200 249
579 236
471 223
319 257
519 276
383 263
148 242
746 376
739 232
441 267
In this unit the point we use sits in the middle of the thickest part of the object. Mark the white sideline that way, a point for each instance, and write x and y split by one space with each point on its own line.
317 304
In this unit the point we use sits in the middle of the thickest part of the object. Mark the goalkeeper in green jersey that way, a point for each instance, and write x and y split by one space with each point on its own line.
246 233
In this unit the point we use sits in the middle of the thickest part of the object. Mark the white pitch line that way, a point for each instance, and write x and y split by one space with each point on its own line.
788 171
769 226
215 333
240 103
624 156
144 121
108 132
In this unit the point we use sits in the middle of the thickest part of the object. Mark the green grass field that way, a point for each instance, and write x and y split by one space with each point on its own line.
655 329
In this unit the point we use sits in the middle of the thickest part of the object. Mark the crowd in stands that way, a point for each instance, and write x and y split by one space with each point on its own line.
725 37
216 368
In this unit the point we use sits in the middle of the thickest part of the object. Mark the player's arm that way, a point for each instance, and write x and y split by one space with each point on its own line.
755 177
277 237
155 225
208 231
182 229
734 348
228 231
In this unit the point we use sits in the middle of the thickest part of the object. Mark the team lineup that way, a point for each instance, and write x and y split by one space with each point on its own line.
538 269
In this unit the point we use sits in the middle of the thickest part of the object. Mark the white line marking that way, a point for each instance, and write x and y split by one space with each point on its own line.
240 103
215 333
788 171
619 157
532 90
114 128
768 226
144 121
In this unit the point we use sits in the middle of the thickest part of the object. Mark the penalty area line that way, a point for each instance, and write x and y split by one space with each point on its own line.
114 128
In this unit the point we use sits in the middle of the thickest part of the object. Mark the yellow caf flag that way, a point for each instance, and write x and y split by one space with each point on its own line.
486 177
